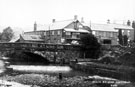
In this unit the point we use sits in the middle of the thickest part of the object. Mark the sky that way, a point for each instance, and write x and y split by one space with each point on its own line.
23 13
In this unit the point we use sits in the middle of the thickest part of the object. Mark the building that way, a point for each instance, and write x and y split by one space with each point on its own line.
70 31
31 38
61 32
67 31
108 33
38 29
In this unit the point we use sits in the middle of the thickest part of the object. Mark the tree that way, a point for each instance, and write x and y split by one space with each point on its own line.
90 46
133 26
7 34
120 37
125 38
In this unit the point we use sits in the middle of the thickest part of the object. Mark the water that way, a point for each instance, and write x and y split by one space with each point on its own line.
2 67
50 69
43 69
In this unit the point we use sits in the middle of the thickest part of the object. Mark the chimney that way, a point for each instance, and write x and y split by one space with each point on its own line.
53 20
108 21
128 23
35 26
82 20
75 17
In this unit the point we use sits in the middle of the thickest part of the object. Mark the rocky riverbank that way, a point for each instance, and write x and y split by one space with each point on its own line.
43 80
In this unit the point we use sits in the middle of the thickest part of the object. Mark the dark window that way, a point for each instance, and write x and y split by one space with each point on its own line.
107 41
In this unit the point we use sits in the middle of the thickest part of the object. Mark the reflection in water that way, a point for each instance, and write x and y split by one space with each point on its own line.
50 69
2 66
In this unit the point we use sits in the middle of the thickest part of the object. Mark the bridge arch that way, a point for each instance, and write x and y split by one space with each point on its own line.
27 58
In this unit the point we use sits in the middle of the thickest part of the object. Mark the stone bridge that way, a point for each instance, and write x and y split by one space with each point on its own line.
52 52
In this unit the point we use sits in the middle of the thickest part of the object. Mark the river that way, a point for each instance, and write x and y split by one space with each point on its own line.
44 69
66 71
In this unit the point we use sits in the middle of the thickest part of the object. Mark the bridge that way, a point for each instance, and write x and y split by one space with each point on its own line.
38 47
32 50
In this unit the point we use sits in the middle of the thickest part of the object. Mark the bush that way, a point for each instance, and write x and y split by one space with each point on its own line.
90 46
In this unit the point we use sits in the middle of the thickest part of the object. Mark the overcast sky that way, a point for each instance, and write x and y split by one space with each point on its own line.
23 13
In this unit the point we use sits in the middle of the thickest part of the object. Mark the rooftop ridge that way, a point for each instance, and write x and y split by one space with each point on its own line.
110 24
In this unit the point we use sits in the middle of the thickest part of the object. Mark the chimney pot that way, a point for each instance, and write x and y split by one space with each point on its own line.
75 17
35 26
128 23
53 20
82 20
108 21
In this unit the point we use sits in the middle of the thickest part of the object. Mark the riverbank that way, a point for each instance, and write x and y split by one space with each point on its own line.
44 80
114 71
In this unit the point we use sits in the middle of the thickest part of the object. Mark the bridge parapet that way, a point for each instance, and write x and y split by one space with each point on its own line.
38 46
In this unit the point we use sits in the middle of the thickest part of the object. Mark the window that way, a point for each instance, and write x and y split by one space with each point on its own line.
68 33
115 34
75 35
55 32
58 32
45 33
58 41
93 32
52 32
107 41
111 34
99 33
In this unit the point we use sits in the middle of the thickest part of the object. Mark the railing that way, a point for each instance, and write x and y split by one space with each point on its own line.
39 46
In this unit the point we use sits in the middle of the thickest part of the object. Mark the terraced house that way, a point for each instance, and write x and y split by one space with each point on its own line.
108 33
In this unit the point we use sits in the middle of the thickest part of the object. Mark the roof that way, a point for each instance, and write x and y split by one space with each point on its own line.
60 24
124 27
103 27
56 25
109 27
41 27
53 26
32 37
79 30
14 39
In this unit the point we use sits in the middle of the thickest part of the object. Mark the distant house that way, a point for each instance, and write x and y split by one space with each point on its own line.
108 33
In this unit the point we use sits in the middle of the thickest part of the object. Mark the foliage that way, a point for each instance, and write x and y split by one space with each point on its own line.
90 46
133 24
7 34
120 37
125 38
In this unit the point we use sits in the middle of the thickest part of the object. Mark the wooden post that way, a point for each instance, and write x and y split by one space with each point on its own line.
60 76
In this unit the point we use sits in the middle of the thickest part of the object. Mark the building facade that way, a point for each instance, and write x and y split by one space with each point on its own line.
61 32
65 32
108 33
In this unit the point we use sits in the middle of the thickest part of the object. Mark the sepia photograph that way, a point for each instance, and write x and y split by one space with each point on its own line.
67 43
